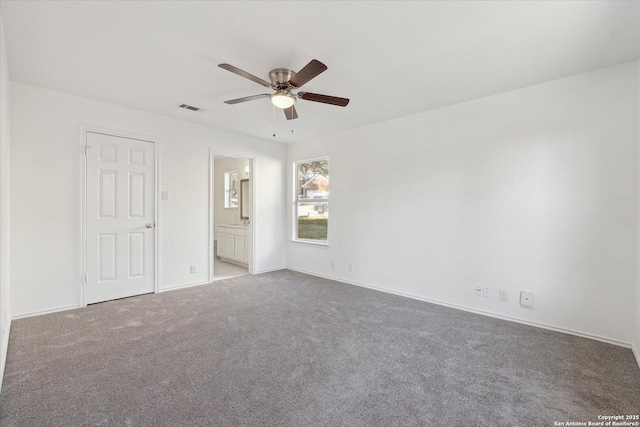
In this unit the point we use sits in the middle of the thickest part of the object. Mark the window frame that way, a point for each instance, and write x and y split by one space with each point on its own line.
296 201
227 190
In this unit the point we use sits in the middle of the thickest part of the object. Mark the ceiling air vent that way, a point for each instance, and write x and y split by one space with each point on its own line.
190 107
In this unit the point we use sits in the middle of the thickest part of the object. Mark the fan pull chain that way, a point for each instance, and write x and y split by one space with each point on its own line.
274 121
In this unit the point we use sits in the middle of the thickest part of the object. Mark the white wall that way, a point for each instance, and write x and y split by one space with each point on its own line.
5 299
45 194
636 335
227 164
534 189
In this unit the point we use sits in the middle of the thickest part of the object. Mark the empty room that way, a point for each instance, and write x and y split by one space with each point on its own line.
309 213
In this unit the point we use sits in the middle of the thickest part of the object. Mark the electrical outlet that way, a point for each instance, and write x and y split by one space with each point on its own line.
526 299
486 293
350 267
166 195
503 295
194 269
479 290
333 264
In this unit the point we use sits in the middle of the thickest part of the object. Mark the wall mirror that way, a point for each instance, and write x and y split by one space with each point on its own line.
245 199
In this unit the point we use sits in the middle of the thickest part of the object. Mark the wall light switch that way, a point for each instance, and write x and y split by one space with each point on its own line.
165 195
526 299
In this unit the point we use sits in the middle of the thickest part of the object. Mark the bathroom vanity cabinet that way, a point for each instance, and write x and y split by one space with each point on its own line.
233 243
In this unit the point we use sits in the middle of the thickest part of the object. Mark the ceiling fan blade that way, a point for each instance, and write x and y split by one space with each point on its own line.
326 99
311 70
290 113
247 98
244 74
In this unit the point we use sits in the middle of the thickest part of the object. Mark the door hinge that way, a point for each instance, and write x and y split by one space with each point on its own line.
86 150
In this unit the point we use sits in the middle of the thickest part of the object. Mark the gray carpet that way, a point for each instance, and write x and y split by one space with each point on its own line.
288 349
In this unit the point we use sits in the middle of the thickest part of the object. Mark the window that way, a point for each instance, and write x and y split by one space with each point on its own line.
311 209
231 189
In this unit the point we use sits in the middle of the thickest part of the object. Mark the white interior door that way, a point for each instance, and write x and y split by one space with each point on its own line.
120 217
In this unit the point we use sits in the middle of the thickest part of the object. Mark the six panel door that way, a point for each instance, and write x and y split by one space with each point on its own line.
120 217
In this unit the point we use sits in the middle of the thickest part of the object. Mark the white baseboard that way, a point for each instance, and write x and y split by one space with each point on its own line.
49 311
270 270
186 285
206 282
57 309
476 311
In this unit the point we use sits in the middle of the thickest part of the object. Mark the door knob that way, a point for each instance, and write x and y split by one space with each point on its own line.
149 225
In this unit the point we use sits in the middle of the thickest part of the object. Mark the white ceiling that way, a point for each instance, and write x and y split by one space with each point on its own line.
391 59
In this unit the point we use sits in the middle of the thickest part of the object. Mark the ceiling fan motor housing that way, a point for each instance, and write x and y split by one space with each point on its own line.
280 77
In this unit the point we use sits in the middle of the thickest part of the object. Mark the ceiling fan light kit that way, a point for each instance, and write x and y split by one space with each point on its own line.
284 82
282 99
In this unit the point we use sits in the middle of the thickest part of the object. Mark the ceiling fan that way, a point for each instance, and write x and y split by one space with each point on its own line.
284 82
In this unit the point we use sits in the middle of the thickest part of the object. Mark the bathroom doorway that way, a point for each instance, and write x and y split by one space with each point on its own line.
232 217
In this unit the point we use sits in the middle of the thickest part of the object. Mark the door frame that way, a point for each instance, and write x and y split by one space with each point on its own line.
83 203
212 231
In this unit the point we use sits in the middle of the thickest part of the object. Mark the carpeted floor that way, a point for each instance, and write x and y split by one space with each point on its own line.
288 349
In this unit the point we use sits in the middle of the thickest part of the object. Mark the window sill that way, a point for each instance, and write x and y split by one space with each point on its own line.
310 242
